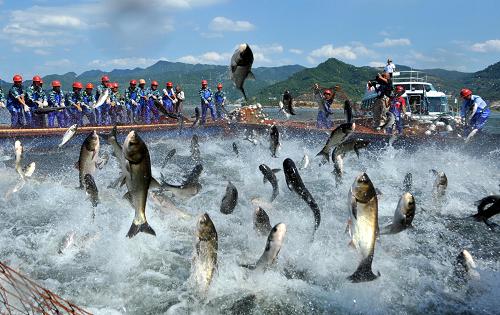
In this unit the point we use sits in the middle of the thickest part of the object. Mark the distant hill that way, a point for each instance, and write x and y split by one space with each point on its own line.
188 76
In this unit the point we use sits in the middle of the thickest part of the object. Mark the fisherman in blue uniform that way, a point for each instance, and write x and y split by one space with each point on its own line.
35 97
74 102
102 112
89 103
206 101
151 113
220 99
132 99
117 112
16 103
325 102
56 99
169 99
143 100
2 98
475 111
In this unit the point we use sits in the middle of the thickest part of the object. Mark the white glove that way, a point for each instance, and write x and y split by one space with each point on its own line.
206 102
134 103
2 104
45 103
108 101
26 108
165 92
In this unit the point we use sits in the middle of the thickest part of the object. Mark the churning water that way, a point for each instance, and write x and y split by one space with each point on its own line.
107 273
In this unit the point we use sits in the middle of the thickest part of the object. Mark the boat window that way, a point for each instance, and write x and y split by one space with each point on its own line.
429 87
437 104
417 87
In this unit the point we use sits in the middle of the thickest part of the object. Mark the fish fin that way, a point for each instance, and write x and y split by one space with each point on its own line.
154 184
77 164
99 164
351 244
364 271
356 150
276 170
378 192
123 181
264 180
250 76
136 228
434 171
128 197
325 155
248 266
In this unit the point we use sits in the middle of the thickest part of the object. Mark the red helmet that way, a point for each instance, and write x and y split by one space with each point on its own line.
17 78
115 85
219 86
41 81
133 82
105 78
37 78
465 92
56 83
400 90
89 86
77 85
169 84
109 84
154 83
327 92
204 82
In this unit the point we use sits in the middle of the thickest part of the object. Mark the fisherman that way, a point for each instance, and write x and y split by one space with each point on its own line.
206 101
150 111
287 100
2 98
220 100
168 98
474 112
383 87
389 67
398 108
102 112
141 108
89 103
35 97
74 102
56 99
132 99
16 103
179 93
325 102
116 110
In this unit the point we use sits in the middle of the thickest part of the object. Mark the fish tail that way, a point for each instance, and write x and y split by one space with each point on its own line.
364 272
325 155
275 194
136 228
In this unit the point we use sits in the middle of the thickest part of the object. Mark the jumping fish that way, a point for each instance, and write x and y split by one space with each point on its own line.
89 155
235 149
67 241
102 98
440 184
189 187
169 155
337 135
91 189
195 148
274 140
304 163
348 111
363 225
241 67
283 110
269 175
403 216
465 266
230 199
112 140
164 204
272 249
205 258
196 117
261 222
486 208
68 135
350 145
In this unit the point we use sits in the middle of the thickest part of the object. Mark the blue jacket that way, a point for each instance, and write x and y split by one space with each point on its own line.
56 99
205 95
468 104
14 93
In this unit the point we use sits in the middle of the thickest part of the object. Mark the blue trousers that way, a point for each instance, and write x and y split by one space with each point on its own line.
61 119
204 108
322 121
398 122
477 121
16 117
219 111
102 113
151 113
89 113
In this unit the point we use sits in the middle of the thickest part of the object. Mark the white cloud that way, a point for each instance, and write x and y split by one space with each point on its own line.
33 43
181 4
210 57
223 24
295 51
346 52
189 59
394 42
60 20
211 35
41 52
487 46
376 64
123 63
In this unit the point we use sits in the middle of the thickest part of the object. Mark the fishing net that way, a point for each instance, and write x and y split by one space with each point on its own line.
20 295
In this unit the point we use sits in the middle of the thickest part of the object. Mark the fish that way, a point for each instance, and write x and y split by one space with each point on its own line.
103 160
338 167
241 67
67 241
465 266
91 189
295 183
89 155
350 145
204 264
486 208
195 148
230 199
403 216
363 225
274 140
235 149
164 204
46 110
102 98
169 155
26 171
261 222
408 182
196 117
273 246
348 111
440 184
304 163
137 165
68 135
337 136
189 187
283 110
389 122
113 141
269 175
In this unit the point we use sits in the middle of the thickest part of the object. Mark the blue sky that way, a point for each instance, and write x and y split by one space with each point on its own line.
45 37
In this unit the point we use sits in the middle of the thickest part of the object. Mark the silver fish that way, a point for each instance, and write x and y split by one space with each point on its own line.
68 135
137 165
337 135
305 162
241 67
204 264
117 148
363 225
67 242
486 208
465 266
230 199
189 187
165 205
91 189
89 155
235 149
261 222
273 246
274 140
440 184
195 148
269 175
403 216
169 155
350 145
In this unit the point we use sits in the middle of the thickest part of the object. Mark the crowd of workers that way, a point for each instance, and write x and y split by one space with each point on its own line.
102 106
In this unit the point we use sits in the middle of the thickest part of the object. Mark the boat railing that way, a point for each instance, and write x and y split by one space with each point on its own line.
409 76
